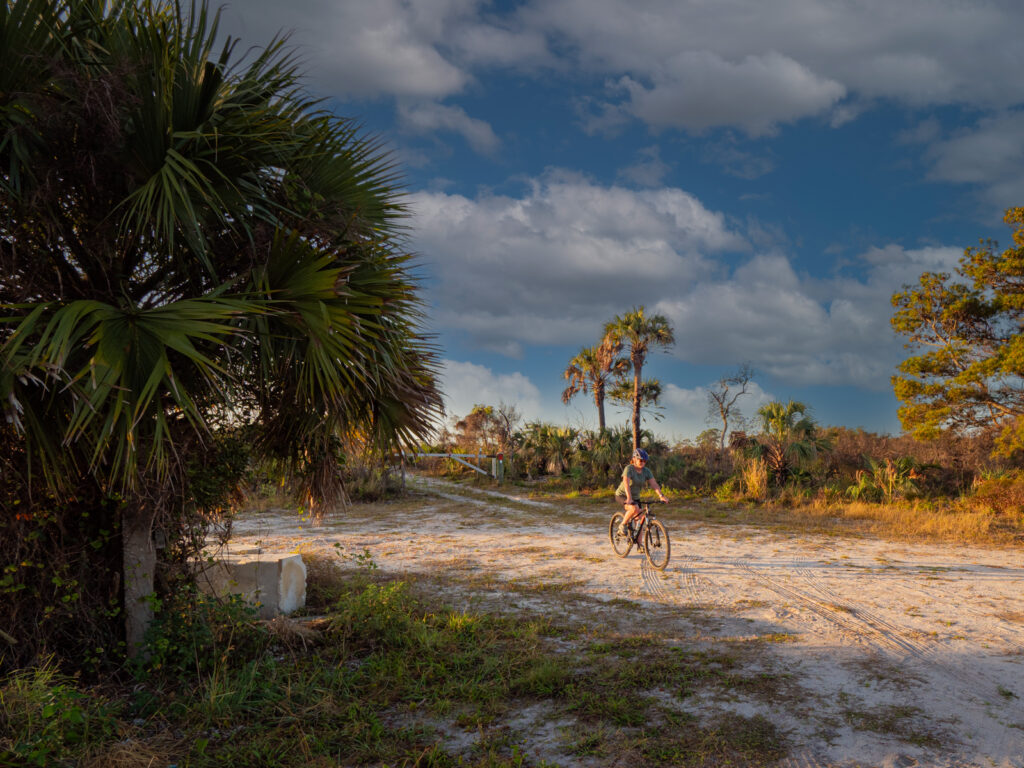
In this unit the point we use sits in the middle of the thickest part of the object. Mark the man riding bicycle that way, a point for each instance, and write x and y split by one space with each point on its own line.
635 476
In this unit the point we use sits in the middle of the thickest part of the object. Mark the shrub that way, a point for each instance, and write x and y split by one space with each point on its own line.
754 477
59 587
193 634
45 719
886 480
381 616
1000 494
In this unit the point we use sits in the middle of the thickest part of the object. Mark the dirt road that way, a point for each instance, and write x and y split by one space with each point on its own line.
907 654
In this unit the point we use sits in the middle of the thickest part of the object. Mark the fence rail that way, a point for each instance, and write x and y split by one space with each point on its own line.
497 462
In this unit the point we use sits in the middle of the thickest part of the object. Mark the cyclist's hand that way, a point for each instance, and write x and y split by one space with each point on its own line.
661 496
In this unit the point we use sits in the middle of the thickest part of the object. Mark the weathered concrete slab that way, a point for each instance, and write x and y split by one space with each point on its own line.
275 583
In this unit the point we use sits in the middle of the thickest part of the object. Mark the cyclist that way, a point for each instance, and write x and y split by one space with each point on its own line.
635 476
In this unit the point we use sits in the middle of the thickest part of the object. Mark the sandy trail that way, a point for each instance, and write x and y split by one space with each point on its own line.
932 632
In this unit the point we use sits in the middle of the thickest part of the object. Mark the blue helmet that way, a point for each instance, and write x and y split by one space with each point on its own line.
641 454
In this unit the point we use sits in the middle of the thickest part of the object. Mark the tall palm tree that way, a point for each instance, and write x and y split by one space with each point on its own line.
591 370
638 333
188 240
621 395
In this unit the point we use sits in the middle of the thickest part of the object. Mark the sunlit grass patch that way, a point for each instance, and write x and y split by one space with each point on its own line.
779 637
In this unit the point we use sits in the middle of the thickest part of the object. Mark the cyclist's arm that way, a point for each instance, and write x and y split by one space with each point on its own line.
657 489
629 486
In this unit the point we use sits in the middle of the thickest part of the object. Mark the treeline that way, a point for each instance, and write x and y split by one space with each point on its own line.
784 458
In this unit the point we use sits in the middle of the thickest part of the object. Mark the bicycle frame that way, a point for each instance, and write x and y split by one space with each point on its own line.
641 526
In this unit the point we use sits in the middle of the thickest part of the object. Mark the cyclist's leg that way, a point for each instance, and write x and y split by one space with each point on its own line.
630 510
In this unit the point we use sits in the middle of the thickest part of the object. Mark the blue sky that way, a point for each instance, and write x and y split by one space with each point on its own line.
765 173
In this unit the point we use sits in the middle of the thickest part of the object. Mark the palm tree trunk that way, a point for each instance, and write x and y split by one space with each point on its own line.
139 567
637 371
599 402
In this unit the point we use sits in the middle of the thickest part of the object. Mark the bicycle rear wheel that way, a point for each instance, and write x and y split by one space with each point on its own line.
621 544
656 545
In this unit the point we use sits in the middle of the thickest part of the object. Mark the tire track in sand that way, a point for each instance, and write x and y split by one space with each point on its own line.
866 626
697 587
976 681
652 583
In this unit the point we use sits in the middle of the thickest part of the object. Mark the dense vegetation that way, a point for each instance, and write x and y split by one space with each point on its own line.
786 459
199 269
968 330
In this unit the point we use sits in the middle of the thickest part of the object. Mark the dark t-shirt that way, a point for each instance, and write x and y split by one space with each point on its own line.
637 479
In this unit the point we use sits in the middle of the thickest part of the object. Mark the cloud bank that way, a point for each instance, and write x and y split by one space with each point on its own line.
467 384
747 65
552 266
807 53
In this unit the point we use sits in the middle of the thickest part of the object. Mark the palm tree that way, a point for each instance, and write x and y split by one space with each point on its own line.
788 437
637 332
886 479
621 395
549 448
591 370
187 241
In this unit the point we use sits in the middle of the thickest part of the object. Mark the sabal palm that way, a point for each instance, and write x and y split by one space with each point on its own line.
621 394
886 479
184 239
788 437
638 333
591 370
549 447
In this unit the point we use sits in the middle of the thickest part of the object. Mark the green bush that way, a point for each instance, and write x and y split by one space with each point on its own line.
46 720
381 616
194 634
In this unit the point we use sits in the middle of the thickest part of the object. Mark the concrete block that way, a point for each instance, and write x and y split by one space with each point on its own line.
276 584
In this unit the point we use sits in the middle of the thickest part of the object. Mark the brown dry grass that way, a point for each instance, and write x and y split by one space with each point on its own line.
952 522
136 751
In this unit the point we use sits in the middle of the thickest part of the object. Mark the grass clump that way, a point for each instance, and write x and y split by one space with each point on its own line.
45 719
903 722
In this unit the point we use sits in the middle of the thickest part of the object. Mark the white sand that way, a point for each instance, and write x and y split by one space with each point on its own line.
933 631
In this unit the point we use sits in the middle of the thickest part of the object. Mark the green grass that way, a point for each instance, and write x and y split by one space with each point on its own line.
386 678
903 722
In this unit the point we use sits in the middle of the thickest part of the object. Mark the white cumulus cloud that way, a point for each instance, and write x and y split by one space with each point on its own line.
697 90
466 384
429 117
990 154
552 266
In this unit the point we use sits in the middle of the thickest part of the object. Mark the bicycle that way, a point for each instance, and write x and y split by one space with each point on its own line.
642 528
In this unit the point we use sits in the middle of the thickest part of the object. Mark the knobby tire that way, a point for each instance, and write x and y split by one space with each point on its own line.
621 544
656 545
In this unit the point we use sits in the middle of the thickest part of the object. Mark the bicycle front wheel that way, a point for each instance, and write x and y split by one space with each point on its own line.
656 545
621 544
